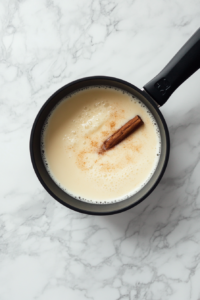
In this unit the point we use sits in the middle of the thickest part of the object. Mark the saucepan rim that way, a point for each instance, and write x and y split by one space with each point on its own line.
114 211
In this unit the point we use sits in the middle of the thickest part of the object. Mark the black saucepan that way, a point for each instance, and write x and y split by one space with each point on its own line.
155 93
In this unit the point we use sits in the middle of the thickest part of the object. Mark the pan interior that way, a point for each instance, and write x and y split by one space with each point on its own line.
59 194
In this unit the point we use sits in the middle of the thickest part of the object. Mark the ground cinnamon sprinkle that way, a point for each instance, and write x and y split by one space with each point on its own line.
124 131
94 143
112 124
105 133
128 157
81 160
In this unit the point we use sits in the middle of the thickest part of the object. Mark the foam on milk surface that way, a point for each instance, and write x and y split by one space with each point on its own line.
74 132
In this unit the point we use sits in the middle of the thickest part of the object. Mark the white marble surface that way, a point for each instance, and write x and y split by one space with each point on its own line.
47 251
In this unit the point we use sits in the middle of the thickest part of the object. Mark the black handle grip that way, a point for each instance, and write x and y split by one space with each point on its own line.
181 67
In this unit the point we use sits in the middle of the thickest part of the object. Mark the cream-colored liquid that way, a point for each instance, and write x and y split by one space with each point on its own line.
74 133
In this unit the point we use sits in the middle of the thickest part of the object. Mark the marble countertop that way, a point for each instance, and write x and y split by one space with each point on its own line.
47 251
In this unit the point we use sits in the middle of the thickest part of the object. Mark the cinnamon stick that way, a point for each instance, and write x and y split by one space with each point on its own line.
121 134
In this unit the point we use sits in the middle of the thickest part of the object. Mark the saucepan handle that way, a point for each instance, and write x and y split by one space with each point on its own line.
181 67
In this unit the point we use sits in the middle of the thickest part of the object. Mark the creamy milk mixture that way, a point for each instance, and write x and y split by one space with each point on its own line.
74 133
